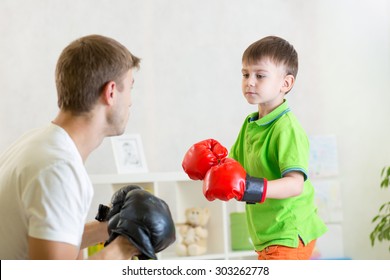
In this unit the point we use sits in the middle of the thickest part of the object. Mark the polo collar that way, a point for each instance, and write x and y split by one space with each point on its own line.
274 115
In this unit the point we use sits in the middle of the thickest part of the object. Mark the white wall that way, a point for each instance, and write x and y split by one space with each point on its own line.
188 87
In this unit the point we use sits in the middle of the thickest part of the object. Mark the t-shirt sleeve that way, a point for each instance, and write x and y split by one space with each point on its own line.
293 151
57 204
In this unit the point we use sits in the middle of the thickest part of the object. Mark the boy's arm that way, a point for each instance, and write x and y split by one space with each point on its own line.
229 180
288 186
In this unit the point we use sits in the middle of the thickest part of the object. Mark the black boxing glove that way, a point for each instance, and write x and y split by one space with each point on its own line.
145 221
118 198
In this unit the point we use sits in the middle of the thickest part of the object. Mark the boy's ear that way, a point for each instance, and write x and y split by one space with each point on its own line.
289 81
108 93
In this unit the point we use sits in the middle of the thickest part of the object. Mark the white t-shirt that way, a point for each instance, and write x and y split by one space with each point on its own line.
45 191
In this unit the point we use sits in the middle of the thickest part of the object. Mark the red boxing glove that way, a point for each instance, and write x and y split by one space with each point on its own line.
229 180
201 157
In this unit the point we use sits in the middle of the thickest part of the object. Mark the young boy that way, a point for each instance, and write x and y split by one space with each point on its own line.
268 163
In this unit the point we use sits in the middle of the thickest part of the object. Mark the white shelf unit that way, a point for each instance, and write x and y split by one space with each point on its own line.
180 193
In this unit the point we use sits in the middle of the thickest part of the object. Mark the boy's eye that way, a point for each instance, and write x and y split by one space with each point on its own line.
245 75
258 76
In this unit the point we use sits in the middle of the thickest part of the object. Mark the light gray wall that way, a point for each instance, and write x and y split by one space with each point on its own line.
188 87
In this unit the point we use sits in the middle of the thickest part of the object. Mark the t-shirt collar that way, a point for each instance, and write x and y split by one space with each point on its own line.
274 115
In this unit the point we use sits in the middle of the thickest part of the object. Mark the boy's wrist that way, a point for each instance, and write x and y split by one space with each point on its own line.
255 190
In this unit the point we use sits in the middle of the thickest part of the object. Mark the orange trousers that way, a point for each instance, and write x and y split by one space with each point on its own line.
278 252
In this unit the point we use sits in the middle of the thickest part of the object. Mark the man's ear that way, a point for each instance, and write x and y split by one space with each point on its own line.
288 83
108 93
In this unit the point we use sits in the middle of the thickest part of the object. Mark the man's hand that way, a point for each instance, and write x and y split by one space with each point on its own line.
145 221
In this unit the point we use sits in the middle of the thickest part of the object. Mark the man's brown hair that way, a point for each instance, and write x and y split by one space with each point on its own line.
85 66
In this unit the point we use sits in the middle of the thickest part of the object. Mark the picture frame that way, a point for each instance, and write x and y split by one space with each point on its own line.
129 154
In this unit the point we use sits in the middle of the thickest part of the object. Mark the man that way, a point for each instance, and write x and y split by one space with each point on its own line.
45 191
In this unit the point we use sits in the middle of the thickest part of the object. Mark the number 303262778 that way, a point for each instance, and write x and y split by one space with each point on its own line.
234 270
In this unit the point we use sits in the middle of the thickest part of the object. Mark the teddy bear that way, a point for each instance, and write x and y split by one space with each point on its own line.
192 237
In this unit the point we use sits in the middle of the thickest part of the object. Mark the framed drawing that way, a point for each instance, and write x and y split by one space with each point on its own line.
129 154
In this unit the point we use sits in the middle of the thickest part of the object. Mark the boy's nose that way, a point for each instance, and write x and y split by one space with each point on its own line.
251 81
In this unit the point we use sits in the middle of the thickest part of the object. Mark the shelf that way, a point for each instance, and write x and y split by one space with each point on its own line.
138 178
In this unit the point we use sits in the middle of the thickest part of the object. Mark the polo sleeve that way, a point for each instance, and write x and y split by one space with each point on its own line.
293 151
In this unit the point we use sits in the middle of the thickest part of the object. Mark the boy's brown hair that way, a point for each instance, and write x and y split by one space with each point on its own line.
84 68
277 50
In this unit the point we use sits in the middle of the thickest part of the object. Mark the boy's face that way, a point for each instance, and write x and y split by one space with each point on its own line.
265 84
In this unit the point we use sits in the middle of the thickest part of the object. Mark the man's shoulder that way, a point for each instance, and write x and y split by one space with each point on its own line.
45 147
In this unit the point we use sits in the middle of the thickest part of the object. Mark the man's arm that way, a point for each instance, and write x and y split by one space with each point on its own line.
94 232
40 249
119 249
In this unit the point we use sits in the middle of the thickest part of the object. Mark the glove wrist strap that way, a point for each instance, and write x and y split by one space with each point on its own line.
255 190
102 213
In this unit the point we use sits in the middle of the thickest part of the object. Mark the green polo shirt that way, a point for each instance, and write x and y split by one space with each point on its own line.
269 148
